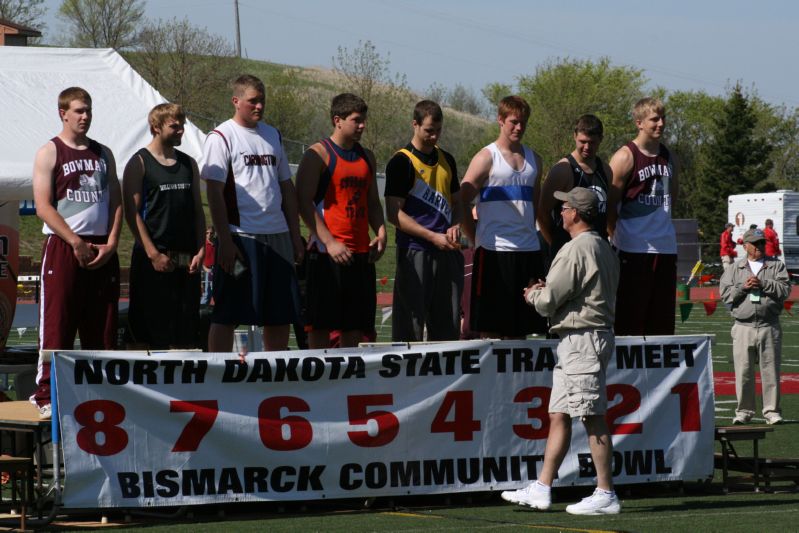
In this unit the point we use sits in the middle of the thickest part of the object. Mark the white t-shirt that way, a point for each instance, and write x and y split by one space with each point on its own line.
251 162
755 266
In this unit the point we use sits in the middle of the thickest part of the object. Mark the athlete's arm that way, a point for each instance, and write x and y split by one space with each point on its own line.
132 201
621 165
558 179
454 231
539 164
376 219
106 251
199 219
476 175
291 212
43 168
311 167
226 249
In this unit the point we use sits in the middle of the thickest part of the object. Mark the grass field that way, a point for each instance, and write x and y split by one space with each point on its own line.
659 508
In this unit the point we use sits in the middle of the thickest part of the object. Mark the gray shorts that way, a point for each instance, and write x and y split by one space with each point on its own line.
266 292
578 380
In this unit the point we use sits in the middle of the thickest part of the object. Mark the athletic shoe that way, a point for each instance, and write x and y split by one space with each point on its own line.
529 496
740 420
45 412
773 419
600 502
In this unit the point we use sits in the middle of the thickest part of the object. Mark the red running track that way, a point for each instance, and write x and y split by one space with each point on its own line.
724 383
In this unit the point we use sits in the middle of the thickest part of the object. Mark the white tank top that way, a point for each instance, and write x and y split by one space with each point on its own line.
506 207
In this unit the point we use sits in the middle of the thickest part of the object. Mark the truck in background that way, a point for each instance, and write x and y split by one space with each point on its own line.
782 207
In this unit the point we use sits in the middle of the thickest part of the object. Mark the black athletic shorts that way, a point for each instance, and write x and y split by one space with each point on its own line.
498 282
341 297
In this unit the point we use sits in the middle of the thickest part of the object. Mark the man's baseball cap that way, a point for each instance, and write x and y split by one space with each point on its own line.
753 236
584 200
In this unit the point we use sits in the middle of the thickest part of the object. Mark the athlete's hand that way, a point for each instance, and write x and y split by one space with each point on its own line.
226 254
339 253
299 250
103 253
454 235
162 263
442 241
197 261
84 253
376 248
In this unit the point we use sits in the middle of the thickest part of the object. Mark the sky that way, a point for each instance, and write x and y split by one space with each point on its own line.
704 45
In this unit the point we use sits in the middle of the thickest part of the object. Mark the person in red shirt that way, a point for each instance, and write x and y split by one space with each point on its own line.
728 252
772 240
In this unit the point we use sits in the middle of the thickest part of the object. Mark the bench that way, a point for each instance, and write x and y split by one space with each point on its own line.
20 470
729 459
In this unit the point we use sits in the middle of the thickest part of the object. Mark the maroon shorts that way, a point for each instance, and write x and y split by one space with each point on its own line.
646 298
75 300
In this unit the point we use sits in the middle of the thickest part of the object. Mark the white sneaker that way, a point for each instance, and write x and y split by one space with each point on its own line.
740 420
598 503
45 412
774 419
529 496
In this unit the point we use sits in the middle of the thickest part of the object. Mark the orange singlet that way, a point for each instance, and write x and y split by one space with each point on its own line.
341 196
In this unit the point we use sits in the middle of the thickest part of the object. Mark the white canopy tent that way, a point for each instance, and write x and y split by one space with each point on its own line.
30 80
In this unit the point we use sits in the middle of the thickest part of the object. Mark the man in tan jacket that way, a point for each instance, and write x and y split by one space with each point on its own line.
755 288
579 296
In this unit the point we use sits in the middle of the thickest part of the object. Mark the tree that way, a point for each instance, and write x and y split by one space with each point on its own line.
103 23
366 73
780 126
188 65
25 12
494 92
464 99
734 161
437 93
689 125
290 110
561 90
785 155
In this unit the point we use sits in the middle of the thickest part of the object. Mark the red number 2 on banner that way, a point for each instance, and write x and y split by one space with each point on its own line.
630 402
115 439
205 412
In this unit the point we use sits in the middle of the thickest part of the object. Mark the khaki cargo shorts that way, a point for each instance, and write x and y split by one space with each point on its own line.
578 380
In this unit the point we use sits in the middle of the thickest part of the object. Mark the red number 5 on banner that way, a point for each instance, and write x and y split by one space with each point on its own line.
387 423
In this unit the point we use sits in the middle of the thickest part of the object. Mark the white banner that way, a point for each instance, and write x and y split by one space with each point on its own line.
192 428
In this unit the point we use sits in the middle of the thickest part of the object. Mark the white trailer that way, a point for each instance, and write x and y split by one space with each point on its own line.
782 207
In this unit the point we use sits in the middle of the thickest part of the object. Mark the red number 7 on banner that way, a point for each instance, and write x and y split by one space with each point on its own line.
199 425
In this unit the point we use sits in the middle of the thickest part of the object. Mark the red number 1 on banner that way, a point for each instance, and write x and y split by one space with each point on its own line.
690 418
